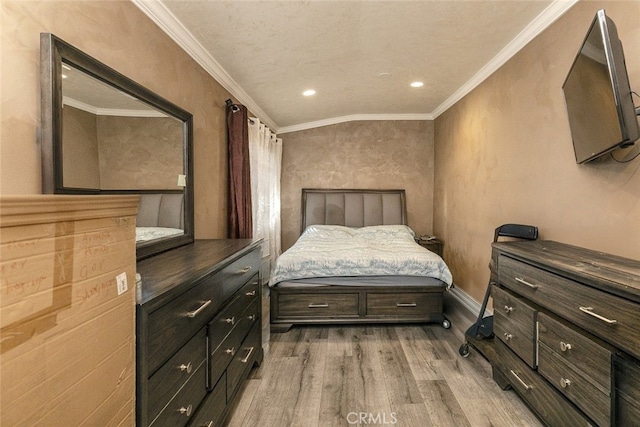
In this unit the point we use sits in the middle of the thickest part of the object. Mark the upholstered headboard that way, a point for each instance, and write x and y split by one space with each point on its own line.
161 210
353 208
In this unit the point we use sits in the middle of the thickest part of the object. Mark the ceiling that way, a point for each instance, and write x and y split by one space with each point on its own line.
359 56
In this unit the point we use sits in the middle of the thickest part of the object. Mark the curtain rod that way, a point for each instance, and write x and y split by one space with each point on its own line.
234 107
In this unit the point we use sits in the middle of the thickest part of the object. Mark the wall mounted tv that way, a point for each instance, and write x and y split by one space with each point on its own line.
601 113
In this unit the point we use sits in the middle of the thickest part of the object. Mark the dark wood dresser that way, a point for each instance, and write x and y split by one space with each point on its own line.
567 327
198 331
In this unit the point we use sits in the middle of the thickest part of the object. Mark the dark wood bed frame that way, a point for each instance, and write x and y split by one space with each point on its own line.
355 304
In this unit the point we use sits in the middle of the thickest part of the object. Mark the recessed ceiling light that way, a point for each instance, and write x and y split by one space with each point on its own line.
309 92
417 84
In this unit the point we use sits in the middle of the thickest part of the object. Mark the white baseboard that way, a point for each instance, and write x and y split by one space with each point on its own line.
467 301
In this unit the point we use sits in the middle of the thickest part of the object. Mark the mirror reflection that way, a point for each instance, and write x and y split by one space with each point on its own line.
112 141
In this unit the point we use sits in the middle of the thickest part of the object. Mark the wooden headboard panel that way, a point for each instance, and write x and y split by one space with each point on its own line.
353 208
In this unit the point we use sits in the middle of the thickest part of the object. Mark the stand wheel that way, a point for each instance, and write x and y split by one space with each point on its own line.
464 350
446 324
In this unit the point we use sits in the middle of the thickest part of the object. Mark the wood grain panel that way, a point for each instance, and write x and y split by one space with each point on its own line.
545 400
166 382
319 305
571 382
627 385
584 354
565 298
518 339
404 304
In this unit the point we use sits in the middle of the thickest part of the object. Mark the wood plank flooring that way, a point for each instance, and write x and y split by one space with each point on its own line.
376 375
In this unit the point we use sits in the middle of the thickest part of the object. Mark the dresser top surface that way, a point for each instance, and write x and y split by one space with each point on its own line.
177 269
610 273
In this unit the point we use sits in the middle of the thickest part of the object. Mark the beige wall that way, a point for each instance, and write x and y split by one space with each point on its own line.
121 36
80 154
504 154
140 153
362 154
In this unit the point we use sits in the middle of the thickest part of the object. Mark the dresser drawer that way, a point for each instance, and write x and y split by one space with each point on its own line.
613 319
584 354
182 407
513 309
166 382
173 324
568 379
403 304
239 272
518 340
325 305
627 387
542 397
213 408
224 322
244 359
224 353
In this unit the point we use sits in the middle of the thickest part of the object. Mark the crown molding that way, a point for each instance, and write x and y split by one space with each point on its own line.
352 118
168 23
159 14
548 16
117 112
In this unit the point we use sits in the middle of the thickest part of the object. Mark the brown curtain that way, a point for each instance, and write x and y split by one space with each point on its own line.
240 222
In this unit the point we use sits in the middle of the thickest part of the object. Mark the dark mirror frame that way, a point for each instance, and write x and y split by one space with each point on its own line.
53 52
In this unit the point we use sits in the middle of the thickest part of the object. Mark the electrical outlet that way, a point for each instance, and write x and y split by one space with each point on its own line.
121 282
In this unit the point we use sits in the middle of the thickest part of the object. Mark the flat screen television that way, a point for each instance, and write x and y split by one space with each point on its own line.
599 102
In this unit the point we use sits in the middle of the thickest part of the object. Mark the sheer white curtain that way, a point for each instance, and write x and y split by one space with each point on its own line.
265 157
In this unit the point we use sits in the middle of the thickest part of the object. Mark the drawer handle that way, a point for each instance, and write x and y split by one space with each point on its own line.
251 294
194 313
245 270
564 346
508 309
252 317
406 304
230 350
524 282
564 383
231 320
246 359
186 411
525 385
325 305
188 367
209 424
589 311
507 336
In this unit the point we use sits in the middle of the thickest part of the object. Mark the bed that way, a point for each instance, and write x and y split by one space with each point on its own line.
160 215
356 261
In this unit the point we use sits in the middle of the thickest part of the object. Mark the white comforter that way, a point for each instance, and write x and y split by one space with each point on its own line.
333 250
144 234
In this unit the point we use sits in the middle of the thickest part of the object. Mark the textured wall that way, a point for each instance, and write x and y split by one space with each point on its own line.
504 154
118 34
365 154
140 153
80 157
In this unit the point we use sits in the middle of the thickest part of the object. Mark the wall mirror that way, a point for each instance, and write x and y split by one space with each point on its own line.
103 133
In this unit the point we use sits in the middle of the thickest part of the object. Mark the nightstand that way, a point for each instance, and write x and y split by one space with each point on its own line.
434 245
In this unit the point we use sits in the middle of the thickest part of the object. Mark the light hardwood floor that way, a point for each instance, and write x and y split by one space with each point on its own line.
375 375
